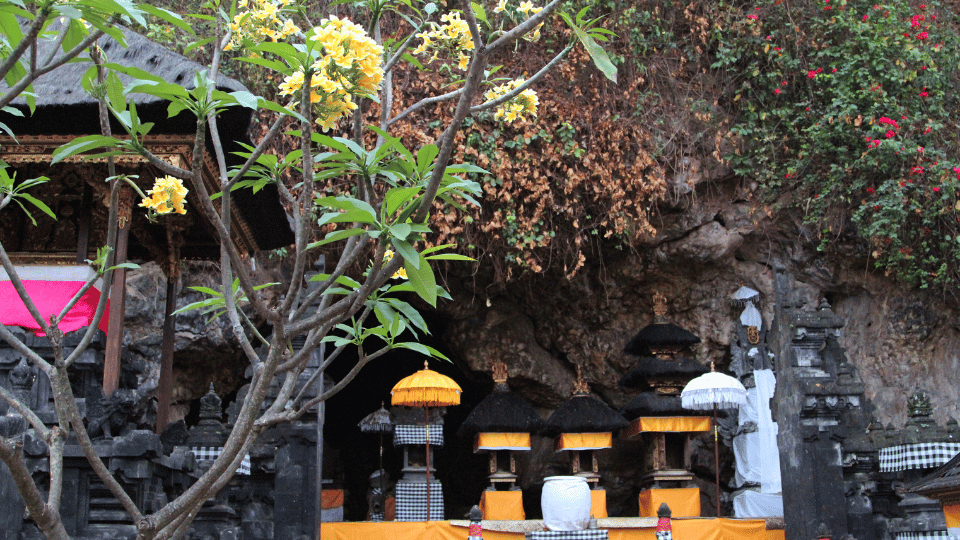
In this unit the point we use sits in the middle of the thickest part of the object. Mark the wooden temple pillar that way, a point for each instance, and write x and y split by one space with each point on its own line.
118 295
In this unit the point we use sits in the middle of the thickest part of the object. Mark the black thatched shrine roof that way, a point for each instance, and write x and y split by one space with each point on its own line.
649 367
659 335
65 108
504 412
653 404
583 414
943 483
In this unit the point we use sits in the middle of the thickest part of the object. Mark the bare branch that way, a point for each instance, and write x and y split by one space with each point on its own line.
46 517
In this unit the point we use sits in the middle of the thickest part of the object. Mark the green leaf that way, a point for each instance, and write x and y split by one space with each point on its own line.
245 99
166 16
83 144
423 281
401 231
39 204
449 257
596 52
421 348
336 236
126 265
407 251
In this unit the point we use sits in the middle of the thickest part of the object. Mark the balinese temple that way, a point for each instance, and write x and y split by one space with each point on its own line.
501 426
56 251
910 453
657 416
582 426
943 485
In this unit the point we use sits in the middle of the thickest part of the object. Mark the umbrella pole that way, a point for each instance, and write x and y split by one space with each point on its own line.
383 491
426 419
716 456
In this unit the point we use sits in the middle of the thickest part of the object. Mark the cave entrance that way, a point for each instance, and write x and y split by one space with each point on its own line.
351 456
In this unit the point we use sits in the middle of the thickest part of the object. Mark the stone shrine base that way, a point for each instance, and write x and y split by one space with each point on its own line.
618 528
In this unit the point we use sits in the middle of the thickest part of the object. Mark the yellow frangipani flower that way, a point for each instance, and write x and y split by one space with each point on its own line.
168 195
517 108
399 274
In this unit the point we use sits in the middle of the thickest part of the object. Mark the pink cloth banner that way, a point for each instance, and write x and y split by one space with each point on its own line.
50 288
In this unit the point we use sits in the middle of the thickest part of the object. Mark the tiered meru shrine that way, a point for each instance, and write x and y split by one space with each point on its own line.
805 449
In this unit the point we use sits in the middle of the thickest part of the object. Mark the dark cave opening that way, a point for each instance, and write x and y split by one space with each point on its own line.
351 456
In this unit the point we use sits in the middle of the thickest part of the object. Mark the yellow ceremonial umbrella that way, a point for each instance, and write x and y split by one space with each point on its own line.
426 389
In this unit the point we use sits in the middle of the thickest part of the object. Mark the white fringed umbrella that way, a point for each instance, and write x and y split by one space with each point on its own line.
744 294
714 391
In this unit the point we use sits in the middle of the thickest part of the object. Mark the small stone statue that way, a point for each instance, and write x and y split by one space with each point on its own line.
380 487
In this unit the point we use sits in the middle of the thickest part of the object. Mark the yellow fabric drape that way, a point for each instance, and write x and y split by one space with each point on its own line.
952 513
686 529
502 505
683 502
598 503
583 441
673 424
501 441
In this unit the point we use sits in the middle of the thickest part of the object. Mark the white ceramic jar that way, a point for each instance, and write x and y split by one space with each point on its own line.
565 503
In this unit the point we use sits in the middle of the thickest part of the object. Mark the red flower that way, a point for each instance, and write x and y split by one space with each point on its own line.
811 74
920 149
923 6
885 120
769 38
834 70
936 189
752 17
890 134
865 17
777 49
877 209
816 196
926 131
922 36
924 94
776 91
870 190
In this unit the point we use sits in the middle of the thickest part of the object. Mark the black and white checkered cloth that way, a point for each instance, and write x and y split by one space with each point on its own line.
412 501
411 434
917 456
922 535
377 516
586 534
210 453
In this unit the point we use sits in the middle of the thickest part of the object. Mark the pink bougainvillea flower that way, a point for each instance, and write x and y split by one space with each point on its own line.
885 120
922 35
923 6
865 17
936 189
776 49
924 94
811 74
926 131
890 134
752 17
776 91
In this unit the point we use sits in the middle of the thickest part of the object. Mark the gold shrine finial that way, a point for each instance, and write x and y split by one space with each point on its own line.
499 372
580 388
659 307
